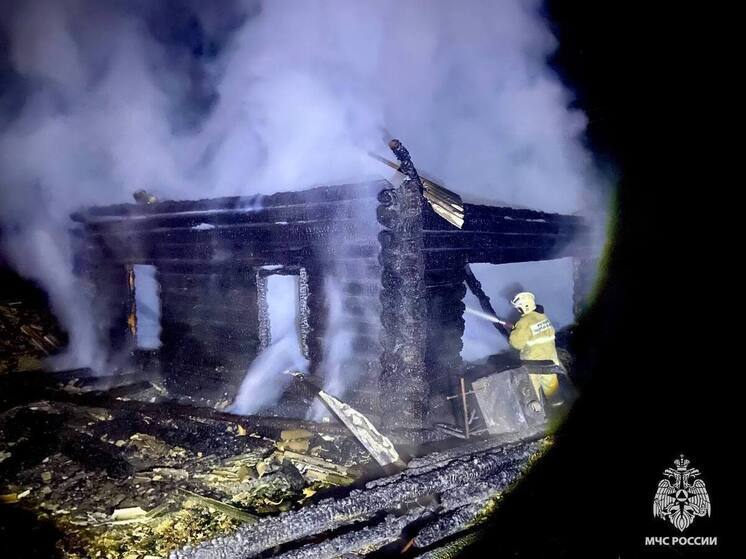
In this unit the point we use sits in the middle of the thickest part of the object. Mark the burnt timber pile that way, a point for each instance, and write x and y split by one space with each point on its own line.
401 268
119 476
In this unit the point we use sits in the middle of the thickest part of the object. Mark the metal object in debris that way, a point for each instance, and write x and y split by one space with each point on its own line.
380 447
508 401
450 209
446 203
464 407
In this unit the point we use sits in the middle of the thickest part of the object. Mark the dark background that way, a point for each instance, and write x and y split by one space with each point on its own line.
661 344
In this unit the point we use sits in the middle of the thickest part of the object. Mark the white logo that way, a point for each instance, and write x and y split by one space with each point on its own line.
680 498
540 327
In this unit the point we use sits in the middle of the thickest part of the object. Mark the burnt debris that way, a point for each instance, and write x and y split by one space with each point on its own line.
416 491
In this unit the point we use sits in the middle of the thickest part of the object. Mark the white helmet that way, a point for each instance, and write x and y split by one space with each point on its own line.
524 302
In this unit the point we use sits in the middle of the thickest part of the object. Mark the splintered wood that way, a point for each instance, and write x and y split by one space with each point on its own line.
143 484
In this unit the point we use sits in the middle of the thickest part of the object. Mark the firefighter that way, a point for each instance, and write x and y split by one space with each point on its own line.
533 337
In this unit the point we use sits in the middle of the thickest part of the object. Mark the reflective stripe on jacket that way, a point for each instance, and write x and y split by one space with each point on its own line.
533 337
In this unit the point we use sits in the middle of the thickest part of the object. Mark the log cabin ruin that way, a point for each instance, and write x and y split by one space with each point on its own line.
398 255
361 285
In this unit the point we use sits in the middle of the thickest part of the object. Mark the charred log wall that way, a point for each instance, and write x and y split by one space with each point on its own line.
499 235
111 307
403 307
209 327
207 254
445 329
410 279
355 266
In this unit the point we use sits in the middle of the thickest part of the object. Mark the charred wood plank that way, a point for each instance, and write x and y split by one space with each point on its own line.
231 310
207 222
491 219
368 538
506 219
468 240
475 286
265 426
41 434
203 347
449 524
225 282
251 255
190 263
404 310
361 504
314 195
214 331
211 267
268 236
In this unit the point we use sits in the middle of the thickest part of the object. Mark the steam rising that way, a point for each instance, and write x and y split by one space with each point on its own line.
271 370
196 99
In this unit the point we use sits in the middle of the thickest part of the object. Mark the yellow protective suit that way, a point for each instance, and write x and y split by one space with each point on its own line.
533 337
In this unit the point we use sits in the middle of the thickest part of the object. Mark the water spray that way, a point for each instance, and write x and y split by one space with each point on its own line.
489 317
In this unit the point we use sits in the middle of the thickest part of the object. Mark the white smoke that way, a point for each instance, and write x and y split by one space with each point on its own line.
195 99
271 371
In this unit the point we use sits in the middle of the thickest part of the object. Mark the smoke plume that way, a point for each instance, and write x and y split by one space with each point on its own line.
196 99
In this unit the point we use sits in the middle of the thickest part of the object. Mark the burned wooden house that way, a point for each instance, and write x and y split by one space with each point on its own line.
397 254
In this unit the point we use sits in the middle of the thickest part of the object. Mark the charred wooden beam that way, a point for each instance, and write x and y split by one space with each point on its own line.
404 489
317 317
489 240
434 259
497 218
40 435
460 509
299 233
205 224
314 195
271 251
368 538
304 313
475 286
448 524
184 310
265 426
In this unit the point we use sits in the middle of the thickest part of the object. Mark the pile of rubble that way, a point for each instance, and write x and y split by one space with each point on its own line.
119 483
121 473
28 334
